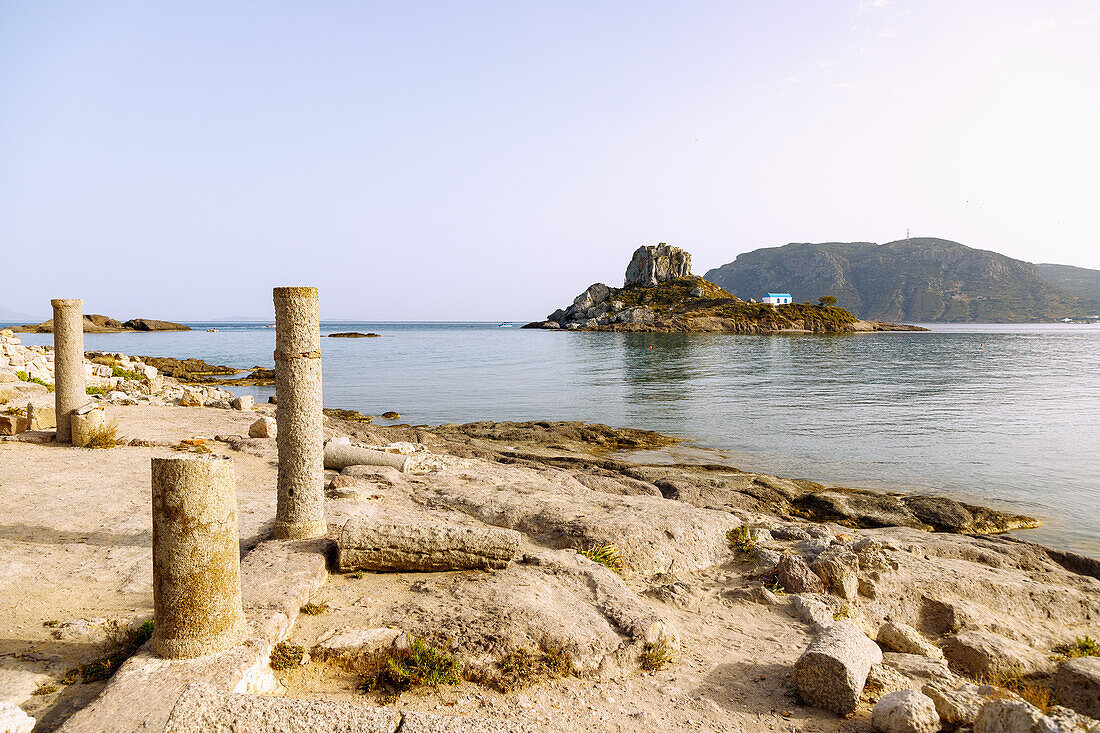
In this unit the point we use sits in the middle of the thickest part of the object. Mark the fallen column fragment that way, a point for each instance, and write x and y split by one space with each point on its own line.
391 546
338 457
831 673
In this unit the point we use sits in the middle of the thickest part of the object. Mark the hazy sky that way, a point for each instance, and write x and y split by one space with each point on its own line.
489 160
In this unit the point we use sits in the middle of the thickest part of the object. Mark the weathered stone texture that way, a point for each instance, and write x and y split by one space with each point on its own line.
831 673
300 512
657 264
196 557
68 348
391 546
1077 685
905 711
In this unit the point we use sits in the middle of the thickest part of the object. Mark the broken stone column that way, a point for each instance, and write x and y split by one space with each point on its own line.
338 457
300 511
68 363
196 557
402 547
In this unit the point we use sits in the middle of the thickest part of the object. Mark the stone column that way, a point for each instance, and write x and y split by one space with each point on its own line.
68 363
300 512
196 557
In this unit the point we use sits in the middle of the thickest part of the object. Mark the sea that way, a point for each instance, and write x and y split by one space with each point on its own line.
1003 415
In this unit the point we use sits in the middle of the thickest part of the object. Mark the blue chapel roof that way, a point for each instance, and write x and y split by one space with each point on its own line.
779 295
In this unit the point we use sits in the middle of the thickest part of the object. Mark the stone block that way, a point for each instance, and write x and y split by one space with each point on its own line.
980 654
41 418
244 402
84 424
13 424
907 640
265 427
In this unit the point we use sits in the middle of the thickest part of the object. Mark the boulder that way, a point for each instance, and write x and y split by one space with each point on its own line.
637 314
14 424
150 324
796 576
958 703
980 653
1013 716
404 547
905 711
837 567
907 640
263 428
651 265
191 398
831 673
1077 685
810 610
13 719
595 294
859 508
244 402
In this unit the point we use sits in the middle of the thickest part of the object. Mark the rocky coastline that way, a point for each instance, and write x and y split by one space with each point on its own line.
624 595
661 295
95 323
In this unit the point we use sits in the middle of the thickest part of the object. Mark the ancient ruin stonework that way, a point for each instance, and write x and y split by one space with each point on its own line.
300 513
651 265
196 557
68 346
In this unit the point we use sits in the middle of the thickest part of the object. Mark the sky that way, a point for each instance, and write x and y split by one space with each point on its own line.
488 160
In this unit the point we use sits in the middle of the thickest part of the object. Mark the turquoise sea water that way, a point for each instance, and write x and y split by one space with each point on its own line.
1007 415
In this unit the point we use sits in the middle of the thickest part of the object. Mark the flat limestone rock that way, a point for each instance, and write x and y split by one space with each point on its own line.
831 673
403 547
551 600
980 653
1077 685
203 709
905 711
14 720
350 646
907 640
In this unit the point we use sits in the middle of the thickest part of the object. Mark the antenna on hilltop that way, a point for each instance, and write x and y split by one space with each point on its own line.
907 232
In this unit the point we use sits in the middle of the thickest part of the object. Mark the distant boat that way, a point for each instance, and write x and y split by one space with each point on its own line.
211 330
505 325
270 325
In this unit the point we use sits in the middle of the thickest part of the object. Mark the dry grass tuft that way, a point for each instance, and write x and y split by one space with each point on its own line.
523 668
314 609
1034 691
286 656
105 436
195 445
655 655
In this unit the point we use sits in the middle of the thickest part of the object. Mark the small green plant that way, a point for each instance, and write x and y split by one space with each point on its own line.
17 411
844 612
47 688
71 677
607 556
118 371
740 539
655 655
523 668
51 623
314 609
420 665
357 575
1082 646
286 656
96 390
777 588
104 436
24 377
104 667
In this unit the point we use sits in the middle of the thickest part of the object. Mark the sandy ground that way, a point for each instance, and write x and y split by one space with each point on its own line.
75 544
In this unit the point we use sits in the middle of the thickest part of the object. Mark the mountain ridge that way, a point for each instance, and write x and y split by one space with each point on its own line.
921 279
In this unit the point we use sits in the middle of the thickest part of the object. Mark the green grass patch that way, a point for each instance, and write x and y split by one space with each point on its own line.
1082 646
607 556
126 374
24 377
420 665
740 539
96 390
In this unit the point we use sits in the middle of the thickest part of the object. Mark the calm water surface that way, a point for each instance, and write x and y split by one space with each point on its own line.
1008 415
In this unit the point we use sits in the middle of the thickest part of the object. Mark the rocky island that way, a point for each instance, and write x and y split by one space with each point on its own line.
95 323
661 294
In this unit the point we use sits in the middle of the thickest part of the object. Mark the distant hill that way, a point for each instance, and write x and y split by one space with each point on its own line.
10 316
1082 282
915 280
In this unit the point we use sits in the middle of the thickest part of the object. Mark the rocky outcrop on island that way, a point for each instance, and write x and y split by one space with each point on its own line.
660 294
96 323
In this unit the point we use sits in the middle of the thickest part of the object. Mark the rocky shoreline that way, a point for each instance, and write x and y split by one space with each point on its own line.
625 595
95 323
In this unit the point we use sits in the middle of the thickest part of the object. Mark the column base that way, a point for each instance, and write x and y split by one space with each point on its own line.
191 647
300 530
